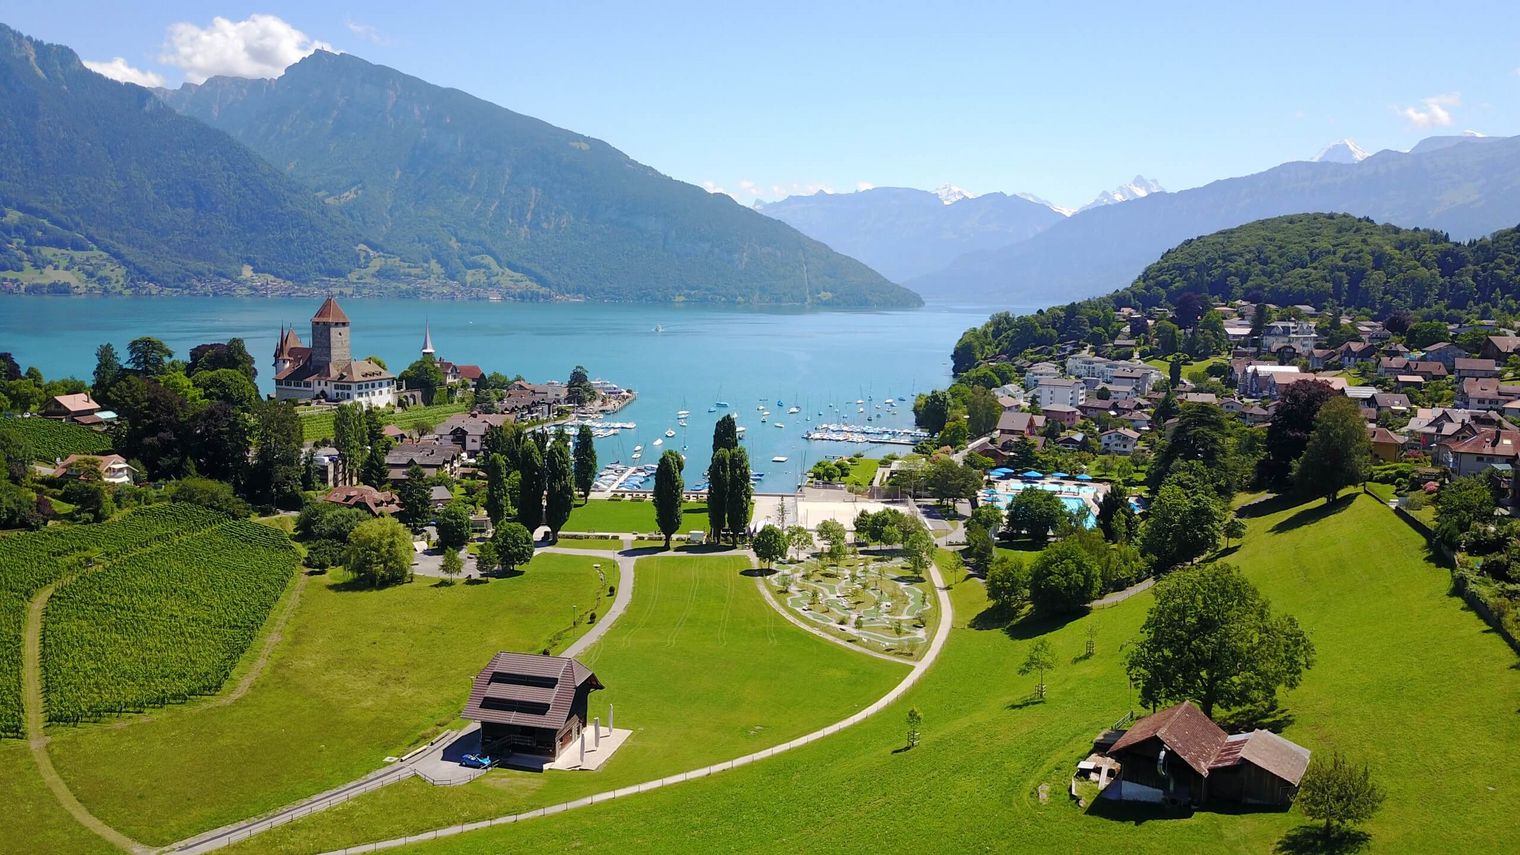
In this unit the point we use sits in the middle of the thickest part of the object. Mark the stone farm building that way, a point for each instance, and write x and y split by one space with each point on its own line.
528 704
1180 756
327 370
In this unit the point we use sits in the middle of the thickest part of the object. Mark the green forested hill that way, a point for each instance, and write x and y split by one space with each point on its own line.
439 175
104 171
1316 259
1302 259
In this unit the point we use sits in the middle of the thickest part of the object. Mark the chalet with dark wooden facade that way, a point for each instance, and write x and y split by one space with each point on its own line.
529 704
1179 756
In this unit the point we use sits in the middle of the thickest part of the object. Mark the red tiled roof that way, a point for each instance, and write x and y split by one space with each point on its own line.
330 313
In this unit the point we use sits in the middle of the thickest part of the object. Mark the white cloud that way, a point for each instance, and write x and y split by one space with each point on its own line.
864 185
118 69
260 46
712 187
368 32
1432 112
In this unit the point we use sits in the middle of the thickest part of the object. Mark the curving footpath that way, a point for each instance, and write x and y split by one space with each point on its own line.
36 736
942 632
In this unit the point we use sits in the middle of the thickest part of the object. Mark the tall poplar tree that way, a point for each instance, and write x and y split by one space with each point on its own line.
498 496
739 499
585 462
530 489
725 433
717 493
560 497
669 488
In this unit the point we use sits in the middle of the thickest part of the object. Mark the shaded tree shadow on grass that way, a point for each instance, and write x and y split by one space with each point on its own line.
1268 506
1311 840
1021 625
1029 700
758 572
1314 513
1268 716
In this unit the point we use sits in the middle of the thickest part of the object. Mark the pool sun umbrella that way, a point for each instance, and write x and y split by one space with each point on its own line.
1059 475
1084 477
1032 474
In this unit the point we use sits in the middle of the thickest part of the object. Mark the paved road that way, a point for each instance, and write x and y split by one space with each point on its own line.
942 632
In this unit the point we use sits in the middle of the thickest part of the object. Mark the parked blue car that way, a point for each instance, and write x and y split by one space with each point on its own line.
477 761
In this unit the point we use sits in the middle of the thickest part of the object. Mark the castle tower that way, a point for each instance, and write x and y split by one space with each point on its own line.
330 344
427 341
284 355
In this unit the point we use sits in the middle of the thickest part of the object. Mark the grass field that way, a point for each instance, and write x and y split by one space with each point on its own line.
608 516
1405 678
700 668
44 826
319 425
49 440
360 675
1164 365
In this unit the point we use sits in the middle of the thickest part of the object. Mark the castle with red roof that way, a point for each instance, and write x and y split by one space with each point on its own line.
327 370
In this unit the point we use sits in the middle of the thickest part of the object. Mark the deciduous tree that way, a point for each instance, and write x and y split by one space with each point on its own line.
1039 660
453 527
1064 578
380 552
1338 792
770 545
514 545
1212 638
1339 451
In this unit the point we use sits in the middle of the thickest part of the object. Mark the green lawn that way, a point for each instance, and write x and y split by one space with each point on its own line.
863 471
700 668
608 516
48 827
1405 678
319 425
607 543
1164 365
360 675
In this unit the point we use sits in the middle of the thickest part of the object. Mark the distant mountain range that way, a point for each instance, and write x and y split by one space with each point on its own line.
904 233
1465 186
341 173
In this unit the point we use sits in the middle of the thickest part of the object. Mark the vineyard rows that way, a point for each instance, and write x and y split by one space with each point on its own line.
163 625
50 440
30 562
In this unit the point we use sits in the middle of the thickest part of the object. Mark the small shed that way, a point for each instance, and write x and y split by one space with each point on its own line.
529 704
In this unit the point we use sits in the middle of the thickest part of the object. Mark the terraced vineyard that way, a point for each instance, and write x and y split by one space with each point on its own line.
162 625
50 440
31 562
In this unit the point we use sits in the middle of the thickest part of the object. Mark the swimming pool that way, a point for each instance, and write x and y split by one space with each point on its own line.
1077 498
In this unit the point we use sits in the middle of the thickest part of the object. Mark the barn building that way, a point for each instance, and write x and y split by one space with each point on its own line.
1179 756
529 704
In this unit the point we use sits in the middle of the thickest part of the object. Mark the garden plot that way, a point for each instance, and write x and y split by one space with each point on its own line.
875 602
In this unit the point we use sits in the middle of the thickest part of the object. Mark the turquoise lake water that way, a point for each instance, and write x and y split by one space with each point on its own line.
701 355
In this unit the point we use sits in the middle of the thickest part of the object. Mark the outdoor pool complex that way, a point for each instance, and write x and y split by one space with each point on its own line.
1075 496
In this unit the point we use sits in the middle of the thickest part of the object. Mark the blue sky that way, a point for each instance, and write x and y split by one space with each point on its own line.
780 97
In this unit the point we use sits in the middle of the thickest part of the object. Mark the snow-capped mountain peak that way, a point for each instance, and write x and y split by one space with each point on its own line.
1136 189
1342 151
1038 200
950 194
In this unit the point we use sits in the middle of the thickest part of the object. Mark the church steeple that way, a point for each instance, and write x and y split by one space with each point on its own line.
427 340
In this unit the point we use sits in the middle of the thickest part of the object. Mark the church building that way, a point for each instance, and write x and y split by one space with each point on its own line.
327 370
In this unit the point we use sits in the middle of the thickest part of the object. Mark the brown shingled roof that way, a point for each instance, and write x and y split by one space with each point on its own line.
329 313
1184 729
527 690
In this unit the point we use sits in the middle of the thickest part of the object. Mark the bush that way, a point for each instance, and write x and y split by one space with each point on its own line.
216 495
324 553
326 521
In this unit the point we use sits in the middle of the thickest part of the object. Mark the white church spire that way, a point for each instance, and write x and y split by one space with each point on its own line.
427 340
